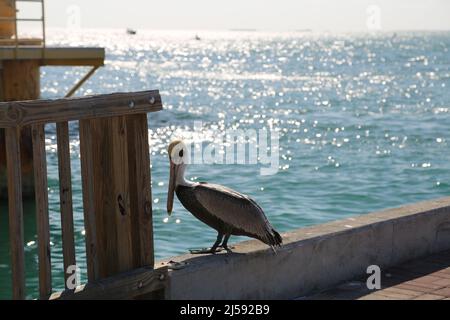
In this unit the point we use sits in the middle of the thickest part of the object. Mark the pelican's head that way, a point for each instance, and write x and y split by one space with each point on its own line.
178 157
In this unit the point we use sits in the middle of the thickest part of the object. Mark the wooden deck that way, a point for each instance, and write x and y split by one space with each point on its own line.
422 279
52 56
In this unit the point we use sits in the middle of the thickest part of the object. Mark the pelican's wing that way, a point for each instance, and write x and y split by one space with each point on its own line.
237 210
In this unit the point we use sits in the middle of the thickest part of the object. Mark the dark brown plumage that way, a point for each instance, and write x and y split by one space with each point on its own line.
223 209
228 212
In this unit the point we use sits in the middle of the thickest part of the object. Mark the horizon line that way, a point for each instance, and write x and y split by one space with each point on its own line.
306 30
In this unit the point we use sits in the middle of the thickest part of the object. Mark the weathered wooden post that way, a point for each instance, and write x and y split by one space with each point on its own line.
116 192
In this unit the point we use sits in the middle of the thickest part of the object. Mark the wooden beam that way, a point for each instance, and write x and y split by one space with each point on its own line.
119 178
21 80
13 114
140 190
127 285
21 42
118 185
87 172
50 55
72 63
81 82
105 201
65 194
12 142
42 215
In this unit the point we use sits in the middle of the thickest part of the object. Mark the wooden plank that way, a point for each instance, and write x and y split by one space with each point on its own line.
65 194
105 200
15 212
121 184
122 286
21 42
21 80
14 114
110 190
140 190
87 171
72 62
3 175
69 54
42 214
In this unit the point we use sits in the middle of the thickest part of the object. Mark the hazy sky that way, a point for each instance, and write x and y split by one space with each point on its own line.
356 15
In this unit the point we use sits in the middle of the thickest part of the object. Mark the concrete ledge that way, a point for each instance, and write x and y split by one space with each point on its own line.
314 258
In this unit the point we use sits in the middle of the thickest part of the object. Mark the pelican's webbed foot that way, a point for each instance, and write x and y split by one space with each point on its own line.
216 247
228 249
205 250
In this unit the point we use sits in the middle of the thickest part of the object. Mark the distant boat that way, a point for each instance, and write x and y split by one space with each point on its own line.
131 31
197 37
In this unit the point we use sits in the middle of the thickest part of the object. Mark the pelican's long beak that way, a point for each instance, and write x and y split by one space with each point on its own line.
172 180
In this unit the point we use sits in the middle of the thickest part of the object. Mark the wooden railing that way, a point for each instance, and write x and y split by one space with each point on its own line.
115 169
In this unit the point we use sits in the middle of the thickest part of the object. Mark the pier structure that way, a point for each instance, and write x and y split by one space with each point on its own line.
116 188
21 58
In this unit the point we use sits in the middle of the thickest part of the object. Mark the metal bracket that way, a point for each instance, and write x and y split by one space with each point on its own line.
81 82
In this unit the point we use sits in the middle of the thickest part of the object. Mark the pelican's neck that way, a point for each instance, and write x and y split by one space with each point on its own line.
181 179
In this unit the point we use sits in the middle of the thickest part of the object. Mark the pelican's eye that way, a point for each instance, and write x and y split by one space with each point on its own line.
180 153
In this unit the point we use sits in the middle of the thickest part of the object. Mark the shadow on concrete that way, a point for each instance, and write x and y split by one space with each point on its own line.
407 275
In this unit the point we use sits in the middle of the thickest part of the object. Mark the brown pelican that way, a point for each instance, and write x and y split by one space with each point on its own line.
225 210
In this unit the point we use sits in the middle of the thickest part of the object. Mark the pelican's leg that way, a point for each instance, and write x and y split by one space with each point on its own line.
212 250
225 243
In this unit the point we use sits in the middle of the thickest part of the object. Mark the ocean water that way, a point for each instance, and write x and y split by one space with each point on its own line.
363 121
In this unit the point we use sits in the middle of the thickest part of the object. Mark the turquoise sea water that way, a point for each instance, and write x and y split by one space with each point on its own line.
363 119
